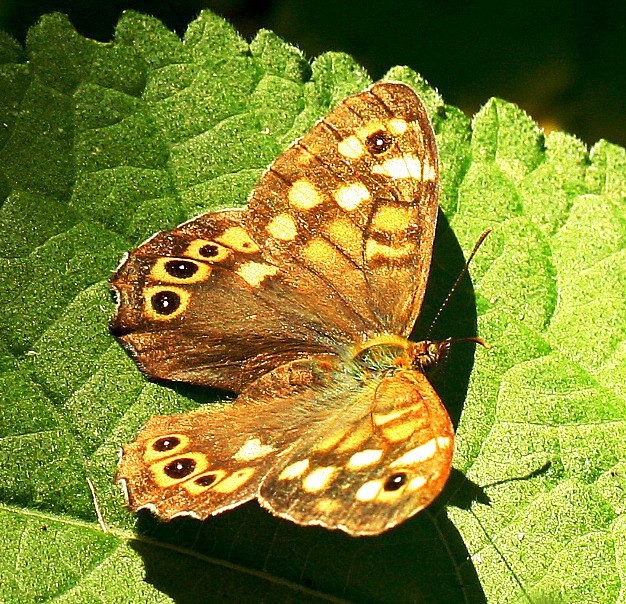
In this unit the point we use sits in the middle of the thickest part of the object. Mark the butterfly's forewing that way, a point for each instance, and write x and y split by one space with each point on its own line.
354 203
334 248
200 304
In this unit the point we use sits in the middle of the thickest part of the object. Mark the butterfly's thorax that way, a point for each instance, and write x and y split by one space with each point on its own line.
389 352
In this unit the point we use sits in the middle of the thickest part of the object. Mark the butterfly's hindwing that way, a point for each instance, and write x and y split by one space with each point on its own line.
359 456
380 461
215 458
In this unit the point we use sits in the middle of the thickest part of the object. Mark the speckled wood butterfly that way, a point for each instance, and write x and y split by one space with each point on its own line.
302 304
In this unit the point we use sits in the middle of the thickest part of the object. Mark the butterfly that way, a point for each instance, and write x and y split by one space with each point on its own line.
302 303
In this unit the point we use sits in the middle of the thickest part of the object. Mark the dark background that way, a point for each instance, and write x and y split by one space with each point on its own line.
563 61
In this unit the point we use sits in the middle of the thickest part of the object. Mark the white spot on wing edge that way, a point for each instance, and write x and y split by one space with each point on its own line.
421 453
124 487
189 513
318 479
362 459
428 172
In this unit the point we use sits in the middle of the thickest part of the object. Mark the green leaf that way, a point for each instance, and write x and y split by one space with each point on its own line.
101 145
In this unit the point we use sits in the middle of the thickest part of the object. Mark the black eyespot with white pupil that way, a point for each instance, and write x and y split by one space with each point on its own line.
165 302
395 481
181 269
179 468
210 250
379 142
206 481
167 443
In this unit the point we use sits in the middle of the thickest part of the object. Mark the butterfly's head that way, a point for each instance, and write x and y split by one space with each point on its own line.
427 354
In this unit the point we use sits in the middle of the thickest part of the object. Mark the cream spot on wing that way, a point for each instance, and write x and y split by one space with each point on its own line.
282 227
428 172
327 506
303 195
390 219
416 483
362 459
351 147
347 236
252 449
421 453
407 166
373 249
369 490
321 255
237 238
329 442
397 126
354 440
295 470
399 431
318 479
235 481
351 196
373 126
255 273
443 441
384 418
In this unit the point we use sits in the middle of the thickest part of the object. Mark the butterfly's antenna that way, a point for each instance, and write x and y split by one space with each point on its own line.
462 274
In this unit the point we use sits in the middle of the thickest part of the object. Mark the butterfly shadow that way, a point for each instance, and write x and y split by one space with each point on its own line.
453 317
248 555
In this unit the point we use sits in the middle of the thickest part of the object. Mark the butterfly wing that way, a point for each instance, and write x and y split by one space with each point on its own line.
201 304
333 249
384 457
354 203
215 458
315 446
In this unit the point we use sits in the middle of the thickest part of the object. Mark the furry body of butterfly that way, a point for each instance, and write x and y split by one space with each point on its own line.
301 303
